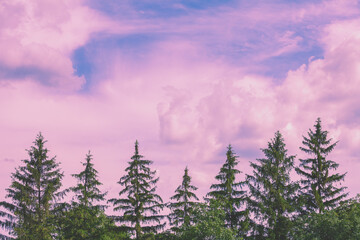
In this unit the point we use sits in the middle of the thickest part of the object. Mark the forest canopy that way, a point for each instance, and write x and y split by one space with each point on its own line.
266 204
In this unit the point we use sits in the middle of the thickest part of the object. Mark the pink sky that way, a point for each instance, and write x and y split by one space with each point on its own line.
187 87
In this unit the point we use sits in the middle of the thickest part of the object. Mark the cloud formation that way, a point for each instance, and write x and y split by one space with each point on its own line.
38 38
185 86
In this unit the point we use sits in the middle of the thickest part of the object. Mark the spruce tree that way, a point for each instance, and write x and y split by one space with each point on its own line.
86 218
87 192
230 192
319 179
272 193
140 204
182 211
33 192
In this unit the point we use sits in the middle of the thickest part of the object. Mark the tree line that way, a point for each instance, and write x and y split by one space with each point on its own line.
267 204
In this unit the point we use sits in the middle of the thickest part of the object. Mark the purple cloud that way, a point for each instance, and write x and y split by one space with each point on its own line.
184 86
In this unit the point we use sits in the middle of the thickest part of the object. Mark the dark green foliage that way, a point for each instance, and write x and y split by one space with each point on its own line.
182 210
85 218
140 205
87 192
81 222
208 224
318 181
167 235
278 207
341 223
273 195
230 192
7 219
33 192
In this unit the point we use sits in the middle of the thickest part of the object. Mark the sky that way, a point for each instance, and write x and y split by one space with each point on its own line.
184 78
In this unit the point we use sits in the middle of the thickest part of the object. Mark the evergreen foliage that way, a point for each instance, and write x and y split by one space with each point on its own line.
33 193
230 192
85 218
87 192
341 223
140 205
7 219
273 195
318 181
182 211
276 207
84 223
208 223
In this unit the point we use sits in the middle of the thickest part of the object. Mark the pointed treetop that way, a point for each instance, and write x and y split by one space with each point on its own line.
318 125
229 191
39 141
136 147
138 202
88 157
230 149
39 136
318 174
87 191
278 139
182 209
34 192
272 197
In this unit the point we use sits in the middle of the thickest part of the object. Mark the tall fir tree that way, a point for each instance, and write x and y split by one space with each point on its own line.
319 179
140 205
273 197
230 192
85 218
87 190
33 192
182 210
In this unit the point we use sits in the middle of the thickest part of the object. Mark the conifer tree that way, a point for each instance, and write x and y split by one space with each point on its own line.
87 192
33 193
230 192
319 178
182 211
140 204
86 218
272 193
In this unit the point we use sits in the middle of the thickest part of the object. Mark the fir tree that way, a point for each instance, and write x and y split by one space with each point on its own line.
182 211
87 192
230 192
140 205
34 191
319 190
86 218
272 193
